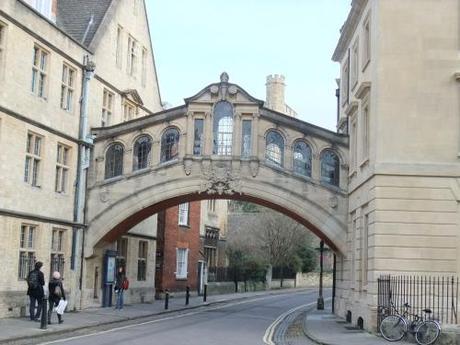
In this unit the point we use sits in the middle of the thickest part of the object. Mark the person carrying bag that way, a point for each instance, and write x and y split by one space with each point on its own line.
56 297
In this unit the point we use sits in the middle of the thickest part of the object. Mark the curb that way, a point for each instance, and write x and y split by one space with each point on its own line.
309 335
132 318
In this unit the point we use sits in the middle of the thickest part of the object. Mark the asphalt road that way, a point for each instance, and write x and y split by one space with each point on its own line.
239 323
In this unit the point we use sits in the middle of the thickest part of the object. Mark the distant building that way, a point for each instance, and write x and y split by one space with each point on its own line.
275 98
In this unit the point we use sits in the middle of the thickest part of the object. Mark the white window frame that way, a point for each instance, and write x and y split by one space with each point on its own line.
354 68
129 110
365 128
142 255
183 214
34 149
62 168
27 239
182 263
68 87
119 52
144 67
131 66
57 250
40 64
366 56
107 108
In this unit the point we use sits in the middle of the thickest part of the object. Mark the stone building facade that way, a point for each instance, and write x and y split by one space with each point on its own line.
43 45
399 102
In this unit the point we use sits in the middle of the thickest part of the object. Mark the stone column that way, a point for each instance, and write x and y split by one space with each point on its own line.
236 138
208 135
255 135
189 137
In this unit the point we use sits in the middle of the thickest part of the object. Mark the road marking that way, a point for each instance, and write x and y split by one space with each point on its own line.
268 336
163 319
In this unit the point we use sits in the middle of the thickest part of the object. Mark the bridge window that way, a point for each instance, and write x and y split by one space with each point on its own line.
274 150
330 165
302 158
141 157
223 128
198 137
246 138
114 161
169 145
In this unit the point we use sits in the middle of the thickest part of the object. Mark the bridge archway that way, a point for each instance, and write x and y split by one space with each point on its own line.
194 170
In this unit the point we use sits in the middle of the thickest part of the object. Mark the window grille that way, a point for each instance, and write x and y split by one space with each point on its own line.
39 72
246 144
184 214
62 168
33 159
181 263
141 157
169 145
330 166
302 158
26 250
142 261
67 87
274 150
114 161
198 137
223 128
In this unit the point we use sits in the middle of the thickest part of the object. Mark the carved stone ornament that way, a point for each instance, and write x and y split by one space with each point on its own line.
214 89
333 202
254 167
188 166
219 179
232 90
104 195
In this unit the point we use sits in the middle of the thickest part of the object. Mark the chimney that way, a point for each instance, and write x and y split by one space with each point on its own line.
275 93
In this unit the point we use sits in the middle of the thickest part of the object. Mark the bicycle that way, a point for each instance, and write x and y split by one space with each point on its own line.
395 327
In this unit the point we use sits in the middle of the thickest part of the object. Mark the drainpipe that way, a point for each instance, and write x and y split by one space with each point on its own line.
85 142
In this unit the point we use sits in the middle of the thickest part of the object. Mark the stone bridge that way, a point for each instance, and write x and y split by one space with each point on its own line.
222 143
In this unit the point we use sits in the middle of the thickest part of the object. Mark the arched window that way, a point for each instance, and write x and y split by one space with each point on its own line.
169 145
114 161
274 149
330 168
302 158
141 154
223 128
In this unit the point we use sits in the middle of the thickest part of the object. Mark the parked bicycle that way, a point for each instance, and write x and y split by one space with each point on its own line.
394 327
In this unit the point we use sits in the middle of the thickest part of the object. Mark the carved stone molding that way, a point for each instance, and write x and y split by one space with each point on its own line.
104 195
187 165
333 202
254 167
219 178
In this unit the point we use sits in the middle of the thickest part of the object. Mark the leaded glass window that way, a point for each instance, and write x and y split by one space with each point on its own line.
198 137
246 139
274 149
330 166
141 156
169 145
302 158
223 128
114 161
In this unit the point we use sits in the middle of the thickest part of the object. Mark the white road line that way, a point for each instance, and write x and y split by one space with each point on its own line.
161 320
268 336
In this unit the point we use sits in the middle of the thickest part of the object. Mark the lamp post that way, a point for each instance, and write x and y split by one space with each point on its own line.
320 302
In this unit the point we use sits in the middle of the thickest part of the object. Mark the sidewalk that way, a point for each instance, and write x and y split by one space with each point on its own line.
328 329
14 329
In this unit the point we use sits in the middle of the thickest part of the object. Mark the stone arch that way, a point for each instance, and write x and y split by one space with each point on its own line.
120 215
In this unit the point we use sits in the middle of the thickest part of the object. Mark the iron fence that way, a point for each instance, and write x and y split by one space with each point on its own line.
440 294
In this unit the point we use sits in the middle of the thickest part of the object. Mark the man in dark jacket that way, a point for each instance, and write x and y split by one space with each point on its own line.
35 291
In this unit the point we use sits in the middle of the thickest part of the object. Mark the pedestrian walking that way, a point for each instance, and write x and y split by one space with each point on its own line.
56 293
35 291
121 284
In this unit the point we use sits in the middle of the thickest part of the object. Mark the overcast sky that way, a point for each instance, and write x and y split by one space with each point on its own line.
195 41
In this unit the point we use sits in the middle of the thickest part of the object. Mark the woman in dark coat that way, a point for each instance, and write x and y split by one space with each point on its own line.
56 293
119 290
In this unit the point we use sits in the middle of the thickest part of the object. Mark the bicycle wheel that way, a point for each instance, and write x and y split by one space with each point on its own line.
393 328
427 332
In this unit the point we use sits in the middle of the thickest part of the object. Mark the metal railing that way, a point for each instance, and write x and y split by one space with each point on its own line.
438 293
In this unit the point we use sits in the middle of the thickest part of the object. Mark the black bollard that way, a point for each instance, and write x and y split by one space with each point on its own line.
187 295
44 321
205 292
166 299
